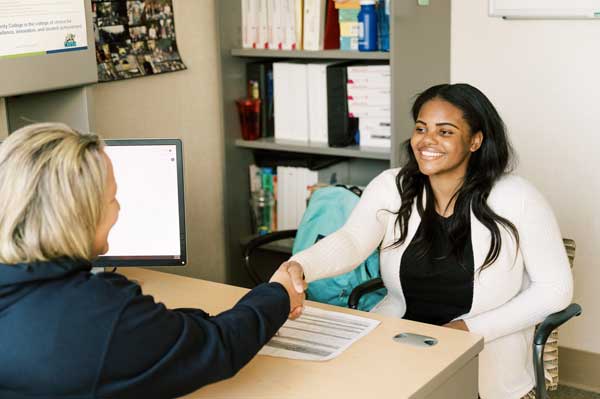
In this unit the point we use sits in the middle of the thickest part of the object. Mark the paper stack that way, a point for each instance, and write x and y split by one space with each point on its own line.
369 100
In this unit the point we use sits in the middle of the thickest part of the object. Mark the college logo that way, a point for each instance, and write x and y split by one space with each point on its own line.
70 40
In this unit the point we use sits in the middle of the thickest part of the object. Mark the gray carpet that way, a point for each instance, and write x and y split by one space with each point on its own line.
572 393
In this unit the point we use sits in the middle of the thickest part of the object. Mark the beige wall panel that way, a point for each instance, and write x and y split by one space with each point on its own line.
184 105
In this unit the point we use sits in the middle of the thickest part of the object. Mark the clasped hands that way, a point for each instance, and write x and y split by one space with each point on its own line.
291 276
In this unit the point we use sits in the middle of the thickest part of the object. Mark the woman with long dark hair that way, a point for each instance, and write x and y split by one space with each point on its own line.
464 243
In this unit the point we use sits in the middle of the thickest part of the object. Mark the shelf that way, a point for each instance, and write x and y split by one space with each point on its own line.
324 54
269 143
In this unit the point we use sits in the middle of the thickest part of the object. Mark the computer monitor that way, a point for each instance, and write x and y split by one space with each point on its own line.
150 230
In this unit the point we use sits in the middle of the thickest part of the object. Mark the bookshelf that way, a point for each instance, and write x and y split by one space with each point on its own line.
354 151
419 57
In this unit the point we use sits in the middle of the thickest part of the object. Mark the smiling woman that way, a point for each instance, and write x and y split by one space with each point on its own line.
464 243
459 149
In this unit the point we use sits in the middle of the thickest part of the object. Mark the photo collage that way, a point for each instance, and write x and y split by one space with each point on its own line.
135 38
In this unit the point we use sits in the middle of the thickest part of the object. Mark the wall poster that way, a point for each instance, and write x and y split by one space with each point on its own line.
135 38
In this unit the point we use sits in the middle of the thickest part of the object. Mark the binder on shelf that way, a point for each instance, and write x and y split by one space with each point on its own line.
370 71
275 13
331 39
280 205
373 82
304 178
249 23
290 96
314 24
263 24
367 111
341 127
369 89
289 196
317 106
289 25
366 97
262 72
375 132
292 193
299 15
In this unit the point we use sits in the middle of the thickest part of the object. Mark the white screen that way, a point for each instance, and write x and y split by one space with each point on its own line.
32 27
147 189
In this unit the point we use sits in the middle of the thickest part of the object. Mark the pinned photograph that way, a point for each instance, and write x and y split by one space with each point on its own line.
109 13
135 12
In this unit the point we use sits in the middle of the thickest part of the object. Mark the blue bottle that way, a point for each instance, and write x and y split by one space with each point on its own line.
383 24
367 26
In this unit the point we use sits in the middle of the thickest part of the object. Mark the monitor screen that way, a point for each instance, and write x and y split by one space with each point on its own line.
150 230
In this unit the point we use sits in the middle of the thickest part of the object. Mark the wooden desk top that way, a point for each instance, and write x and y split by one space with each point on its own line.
374 367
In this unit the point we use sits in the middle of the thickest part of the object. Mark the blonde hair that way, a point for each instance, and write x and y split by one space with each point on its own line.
52 183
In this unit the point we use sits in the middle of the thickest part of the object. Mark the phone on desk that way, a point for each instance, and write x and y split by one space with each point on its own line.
415 340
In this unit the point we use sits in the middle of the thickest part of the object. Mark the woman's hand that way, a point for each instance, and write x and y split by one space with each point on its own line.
291 276
457 325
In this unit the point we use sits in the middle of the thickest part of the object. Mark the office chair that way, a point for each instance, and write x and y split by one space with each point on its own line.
256 243
545 334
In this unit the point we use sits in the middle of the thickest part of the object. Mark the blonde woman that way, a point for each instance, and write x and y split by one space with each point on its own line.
65 332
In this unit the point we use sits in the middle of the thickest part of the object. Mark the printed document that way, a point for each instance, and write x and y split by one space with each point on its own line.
318 335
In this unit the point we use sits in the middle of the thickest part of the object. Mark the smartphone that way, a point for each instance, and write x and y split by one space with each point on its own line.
415 339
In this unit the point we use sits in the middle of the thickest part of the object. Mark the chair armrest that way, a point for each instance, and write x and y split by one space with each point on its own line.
259 241
553 321
362 289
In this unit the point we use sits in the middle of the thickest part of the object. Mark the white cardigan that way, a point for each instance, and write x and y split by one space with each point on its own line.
509 297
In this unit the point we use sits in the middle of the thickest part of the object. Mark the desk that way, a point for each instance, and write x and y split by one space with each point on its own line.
374 367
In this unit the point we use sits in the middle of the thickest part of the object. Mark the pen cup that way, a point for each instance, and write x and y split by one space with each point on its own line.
262 206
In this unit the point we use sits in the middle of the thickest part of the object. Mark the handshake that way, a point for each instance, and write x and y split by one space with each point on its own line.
291 276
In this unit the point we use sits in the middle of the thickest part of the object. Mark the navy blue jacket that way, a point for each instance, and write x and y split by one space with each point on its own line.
66 333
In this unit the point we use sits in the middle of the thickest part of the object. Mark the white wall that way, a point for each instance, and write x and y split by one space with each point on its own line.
185 105
544 78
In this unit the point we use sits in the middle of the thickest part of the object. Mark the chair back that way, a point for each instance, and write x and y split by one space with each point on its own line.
570 247
551 348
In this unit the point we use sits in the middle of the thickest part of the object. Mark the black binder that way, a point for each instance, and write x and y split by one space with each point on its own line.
262 72
341 127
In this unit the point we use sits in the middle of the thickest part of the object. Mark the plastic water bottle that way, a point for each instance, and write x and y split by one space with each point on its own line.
367 26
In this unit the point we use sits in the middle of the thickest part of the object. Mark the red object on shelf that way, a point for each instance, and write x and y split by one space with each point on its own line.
332 27
249 112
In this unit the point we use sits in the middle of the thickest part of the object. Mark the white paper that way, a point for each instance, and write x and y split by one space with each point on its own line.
318 335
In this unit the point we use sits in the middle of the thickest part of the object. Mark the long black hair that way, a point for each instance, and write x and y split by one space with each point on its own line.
485 167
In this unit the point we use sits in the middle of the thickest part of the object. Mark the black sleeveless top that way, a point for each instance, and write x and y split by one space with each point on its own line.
437 288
